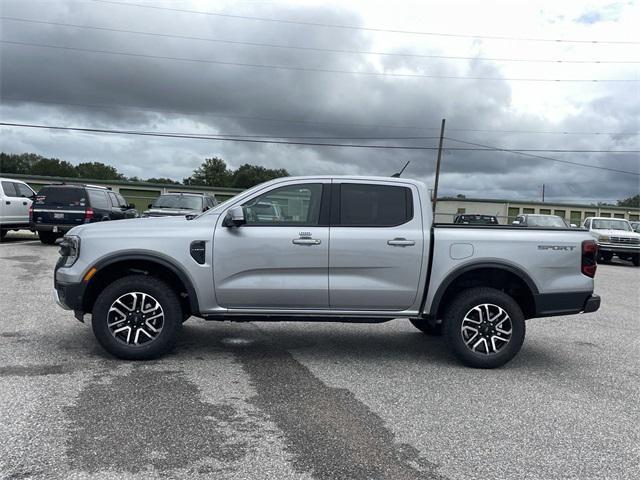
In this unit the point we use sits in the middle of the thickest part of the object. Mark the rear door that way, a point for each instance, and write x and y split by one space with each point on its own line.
117 209
376 246
25 198
279 258
101 204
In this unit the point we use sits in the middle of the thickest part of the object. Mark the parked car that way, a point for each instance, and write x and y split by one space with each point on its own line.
15 201
475 219
349 249
172 204
615 236
59 208
540 220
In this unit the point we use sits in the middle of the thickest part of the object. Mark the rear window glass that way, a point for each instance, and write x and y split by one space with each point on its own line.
374 205
62 197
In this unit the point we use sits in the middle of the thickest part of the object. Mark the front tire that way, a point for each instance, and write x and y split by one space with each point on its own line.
484 327
137 318
636 259
606 256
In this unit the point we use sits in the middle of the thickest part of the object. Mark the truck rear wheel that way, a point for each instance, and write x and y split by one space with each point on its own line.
606 256
636 259
484 327
48 238
137 318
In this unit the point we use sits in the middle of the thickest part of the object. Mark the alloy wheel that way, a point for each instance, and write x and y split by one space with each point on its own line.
486 329
135 318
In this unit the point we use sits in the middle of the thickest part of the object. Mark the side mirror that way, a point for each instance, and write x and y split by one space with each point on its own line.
131 206
150 205
515 222
234 217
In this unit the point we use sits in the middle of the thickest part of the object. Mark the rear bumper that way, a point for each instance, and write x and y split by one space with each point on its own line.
45 227
569 303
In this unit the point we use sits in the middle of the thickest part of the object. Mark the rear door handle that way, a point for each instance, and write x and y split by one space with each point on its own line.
306 241
400 242
24 203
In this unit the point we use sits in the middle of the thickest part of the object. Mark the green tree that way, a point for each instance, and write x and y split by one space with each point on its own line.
213 173
53 167
97 171
633 202
247 176
167 181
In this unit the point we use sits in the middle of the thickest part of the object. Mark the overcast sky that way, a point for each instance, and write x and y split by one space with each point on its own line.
48 86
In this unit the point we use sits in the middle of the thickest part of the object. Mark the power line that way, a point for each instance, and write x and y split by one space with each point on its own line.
308 69
313 49
370 29
278 142
523 153
309 122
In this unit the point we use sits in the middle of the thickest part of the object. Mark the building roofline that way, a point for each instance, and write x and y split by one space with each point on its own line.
50 179
530 202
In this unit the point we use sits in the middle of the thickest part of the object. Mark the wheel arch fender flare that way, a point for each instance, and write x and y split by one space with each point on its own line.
470 267
160 259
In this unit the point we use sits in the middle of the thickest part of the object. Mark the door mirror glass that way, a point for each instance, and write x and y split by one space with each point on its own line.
234 217
131 206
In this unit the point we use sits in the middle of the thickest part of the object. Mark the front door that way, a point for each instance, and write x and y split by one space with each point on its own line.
279 258
376 252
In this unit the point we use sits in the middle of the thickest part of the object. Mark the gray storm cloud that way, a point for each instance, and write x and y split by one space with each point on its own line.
51 86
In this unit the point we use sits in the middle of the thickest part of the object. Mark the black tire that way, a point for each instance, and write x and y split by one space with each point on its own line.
427 327
162 293
2 234
461 306
606 256
48 238
636 259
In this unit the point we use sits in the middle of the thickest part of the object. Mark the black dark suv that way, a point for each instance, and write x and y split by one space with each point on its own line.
59 208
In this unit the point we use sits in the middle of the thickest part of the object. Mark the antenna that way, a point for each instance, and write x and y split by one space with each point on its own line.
397 175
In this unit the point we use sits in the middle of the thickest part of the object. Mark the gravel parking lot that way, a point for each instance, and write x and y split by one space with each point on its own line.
305 400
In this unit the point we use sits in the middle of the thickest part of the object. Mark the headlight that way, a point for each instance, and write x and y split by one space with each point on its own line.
69 250
603 238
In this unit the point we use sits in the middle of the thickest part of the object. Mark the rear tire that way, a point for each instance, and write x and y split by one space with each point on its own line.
484 327
137 318
48 238
427 327
2 234
636 259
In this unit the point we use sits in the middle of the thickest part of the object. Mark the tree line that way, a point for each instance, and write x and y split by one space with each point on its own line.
213 172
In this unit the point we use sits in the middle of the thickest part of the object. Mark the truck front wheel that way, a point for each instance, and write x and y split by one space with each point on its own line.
137 317
484 327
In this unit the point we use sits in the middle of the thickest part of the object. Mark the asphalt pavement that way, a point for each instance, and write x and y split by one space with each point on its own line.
314 400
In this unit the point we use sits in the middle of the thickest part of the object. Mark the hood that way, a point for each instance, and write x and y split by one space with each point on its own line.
157 226
616 233
165 212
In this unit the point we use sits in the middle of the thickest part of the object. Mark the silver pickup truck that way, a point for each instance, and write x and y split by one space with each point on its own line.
351 249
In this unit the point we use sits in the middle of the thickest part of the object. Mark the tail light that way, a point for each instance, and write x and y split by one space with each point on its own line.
88 215
31 213
589 258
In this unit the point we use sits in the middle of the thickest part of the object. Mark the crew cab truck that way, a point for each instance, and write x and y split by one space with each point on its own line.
352 249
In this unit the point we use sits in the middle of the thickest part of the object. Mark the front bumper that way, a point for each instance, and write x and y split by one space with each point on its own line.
69 295
618 248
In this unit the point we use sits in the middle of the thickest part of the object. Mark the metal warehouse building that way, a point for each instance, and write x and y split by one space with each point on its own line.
507 210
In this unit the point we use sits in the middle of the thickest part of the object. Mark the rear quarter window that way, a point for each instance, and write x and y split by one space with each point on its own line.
99 199
62 197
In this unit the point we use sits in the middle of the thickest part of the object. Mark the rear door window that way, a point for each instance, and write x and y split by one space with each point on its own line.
62 197
99 199
9 189
374 205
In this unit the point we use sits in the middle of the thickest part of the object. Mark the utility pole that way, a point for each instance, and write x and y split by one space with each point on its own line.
435 186
543 193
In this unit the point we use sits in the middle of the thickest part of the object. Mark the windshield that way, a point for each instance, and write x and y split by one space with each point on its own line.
550 221
611 225
187 202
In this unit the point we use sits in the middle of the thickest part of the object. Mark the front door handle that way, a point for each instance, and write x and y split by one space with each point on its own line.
400 242
8 202
306 241
24 203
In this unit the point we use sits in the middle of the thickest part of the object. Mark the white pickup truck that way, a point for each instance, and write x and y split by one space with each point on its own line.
352 249
16 198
